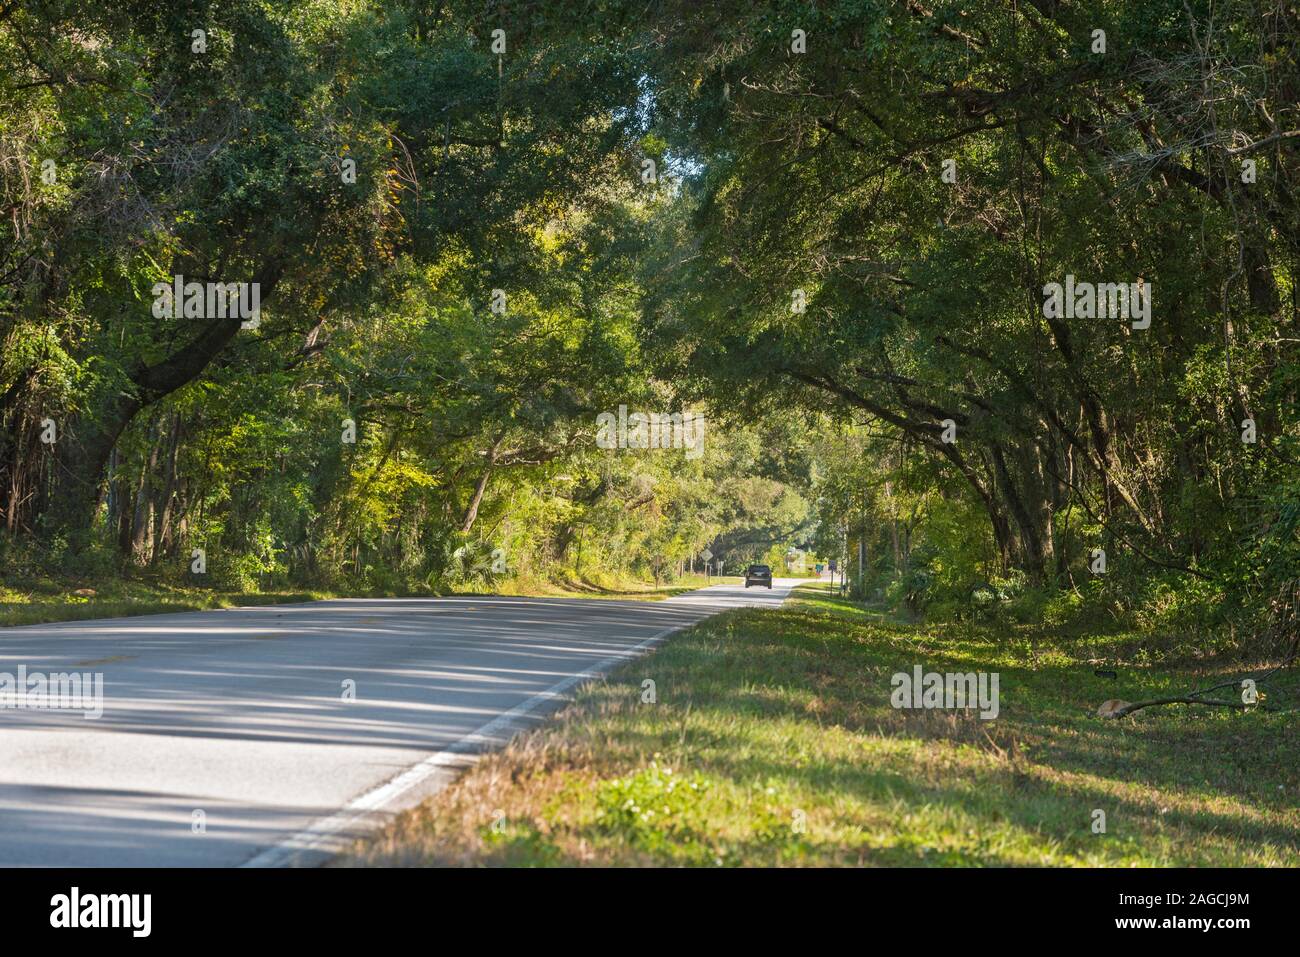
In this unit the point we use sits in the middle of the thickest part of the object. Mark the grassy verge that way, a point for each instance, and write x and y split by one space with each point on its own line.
609 587
772 742
45 600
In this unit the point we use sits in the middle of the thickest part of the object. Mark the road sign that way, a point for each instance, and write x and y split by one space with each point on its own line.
706 554
834 566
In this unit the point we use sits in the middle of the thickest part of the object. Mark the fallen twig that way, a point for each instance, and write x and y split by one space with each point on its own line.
1130 707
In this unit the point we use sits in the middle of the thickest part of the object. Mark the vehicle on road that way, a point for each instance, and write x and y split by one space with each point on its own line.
758 575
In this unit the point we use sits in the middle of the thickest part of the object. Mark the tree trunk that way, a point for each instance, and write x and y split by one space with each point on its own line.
85 445
471 513
163 505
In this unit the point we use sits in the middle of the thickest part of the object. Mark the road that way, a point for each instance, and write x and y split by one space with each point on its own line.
227 739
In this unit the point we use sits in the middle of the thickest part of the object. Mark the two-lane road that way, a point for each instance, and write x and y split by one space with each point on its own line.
230 737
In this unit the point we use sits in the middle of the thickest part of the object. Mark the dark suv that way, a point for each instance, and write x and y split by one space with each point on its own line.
758 575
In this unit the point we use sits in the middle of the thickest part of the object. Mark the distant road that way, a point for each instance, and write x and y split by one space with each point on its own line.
226 740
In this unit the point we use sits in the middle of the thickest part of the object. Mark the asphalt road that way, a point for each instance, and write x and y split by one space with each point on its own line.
226 738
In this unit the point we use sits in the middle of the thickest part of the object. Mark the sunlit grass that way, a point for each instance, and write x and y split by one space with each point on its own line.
772 742
606 586
48 600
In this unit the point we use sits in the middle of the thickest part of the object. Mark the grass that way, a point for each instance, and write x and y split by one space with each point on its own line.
38 600
600 586
773 742
41 601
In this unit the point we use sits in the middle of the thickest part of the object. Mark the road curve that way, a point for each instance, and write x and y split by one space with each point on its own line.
226 738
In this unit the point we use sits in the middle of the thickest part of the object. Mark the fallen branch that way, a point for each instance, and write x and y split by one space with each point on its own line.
1120 709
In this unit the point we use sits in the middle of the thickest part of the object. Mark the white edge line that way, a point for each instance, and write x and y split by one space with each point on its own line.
355 812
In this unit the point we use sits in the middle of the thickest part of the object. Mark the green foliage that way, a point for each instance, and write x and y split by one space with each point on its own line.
653 808
812 178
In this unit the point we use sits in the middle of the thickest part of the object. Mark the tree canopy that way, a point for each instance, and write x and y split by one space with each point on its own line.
832 227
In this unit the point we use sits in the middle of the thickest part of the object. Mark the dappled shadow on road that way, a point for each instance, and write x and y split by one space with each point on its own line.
279 674
99 827
356 689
